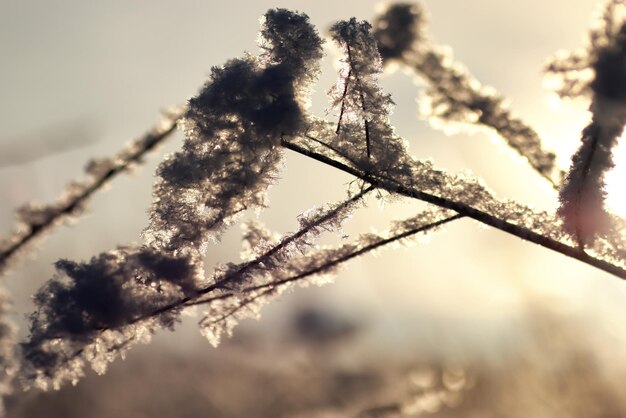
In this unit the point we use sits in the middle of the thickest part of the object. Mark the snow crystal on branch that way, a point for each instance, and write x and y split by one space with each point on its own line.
599 72
35 220
454 97
231 293
468 196
363 133
110 292
92 312
230 157
309 266
364 109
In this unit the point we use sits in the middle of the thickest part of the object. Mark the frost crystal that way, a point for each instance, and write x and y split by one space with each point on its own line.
230 156
454 97
236 127
599 72
94 311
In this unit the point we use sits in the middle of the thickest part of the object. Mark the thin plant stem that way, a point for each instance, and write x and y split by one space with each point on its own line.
140 148
466 210
335 261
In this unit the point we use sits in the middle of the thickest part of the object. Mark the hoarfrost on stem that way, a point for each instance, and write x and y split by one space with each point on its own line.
93 311
232 128
454 98
597 72
236 127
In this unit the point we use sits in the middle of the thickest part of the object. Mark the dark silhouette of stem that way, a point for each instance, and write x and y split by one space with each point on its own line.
466 210
343 101
328 264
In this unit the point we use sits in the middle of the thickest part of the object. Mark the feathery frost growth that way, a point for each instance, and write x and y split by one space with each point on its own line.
35 220
598 72
305 266
236 129
454 97
88 312
364 108
269 266
233 129
363 134
91 311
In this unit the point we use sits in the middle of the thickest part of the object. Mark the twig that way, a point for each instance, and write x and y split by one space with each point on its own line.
466 210
343 100
330 263
64 207
357 85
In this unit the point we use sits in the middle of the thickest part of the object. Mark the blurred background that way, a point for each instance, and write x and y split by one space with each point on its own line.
468 323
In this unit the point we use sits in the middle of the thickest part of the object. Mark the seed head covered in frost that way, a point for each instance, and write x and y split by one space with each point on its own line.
292 41
93 311
364 133
267 258
454 98
230 156
600 73
110 292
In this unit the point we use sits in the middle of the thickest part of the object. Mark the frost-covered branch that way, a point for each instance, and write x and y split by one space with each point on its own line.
236 130
469 198
454 97
226 310
597 72
34 220
364 107
95 311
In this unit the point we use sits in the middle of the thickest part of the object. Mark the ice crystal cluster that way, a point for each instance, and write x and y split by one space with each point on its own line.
231 155
598 72
237 130
8 360
453 97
